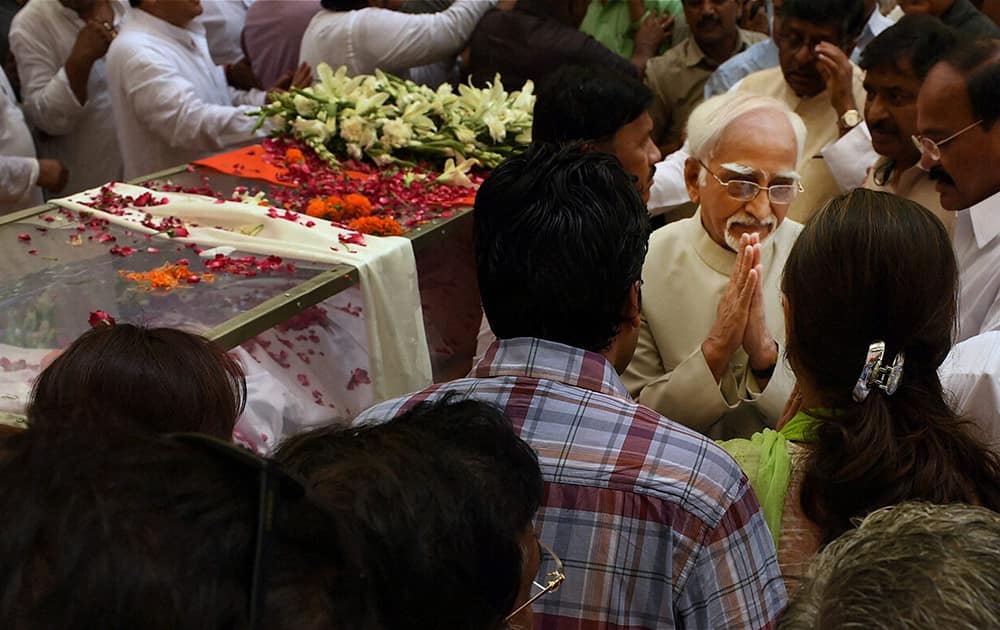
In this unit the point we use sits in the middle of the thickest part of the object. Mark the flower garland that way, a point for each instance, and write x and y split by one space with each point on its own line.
388 120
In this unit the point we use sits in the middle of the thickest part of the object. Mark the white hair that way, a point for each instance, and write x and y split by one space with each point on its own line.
710 120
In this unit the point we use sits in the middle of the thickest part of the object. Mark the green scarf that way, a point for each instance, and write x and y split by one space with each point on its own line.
765 460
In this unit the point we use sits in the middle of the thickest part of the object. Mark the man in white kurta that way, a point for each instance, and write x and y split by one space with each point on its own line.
56 48
171 102
370 38
709 356
960 134
21 174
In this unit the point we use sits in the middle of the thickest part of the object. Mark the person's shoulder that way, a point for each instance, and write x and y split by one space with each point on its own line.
752 37
668 61
685 468
765 77
677 234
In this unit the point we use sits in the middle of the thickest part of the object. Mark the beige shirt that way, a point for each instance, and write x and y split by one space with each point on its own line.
677 79
913 184
685 275
821 127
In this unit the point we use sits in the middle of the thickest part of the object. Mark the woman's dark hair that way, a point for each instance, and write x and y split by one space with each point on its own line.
560 236
437 502
154 379
872 266
119 530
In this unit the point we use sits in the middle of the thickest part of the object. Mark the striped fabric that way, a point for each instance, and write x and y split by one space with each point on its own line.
656 525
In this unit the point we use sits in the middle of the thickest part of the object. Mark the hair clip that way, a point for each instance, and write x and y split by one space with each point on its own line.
875 374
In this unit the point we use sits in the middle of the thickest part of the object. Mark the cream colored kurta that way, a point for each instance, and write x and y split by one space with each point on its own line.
915 185
685 275
821 125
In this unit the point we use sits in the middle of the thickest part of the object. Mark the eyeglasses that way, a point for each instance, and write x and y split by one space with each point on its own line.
931 149
553 579
743 190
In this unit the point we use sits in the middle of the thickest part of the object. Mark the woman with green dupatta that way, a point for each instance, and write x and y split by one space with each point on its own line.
870 302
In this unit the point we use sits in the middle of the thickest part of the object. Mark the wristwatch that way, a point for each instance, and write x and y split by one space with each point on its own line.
851 119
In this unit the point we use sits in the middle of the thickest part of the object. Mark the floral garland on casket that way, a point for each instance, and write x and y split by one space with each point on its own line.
389 120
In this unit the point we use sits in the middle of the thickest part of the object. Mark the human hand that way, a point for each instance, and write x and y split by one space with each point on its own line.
240 75
838 73
733 311
758 343
792 407
52 175
654 29
93 41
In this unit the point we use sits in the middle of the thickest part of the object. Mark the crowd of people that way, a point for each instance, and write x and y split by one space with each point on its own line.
738 364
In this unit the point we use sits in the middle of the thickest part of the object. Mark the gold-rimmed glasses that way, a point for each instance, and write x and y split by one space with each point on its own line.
932 149
745 190
552 581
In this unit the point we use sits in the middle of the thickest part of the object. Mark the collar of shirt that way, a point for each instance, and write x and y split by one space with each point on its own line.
985 217
694 55
875 25
186 36
719 258
541 359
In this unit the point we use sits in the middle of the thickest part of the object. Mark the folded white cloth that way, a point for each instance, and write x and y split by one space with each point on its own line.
399 358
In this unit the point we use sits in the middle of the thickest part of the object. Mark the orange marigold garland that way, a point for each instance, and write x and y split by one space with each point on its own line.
376 226
166 277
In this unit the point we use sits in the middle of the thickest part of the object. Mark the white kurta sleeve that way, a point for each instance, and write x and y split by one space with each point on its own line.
970 376
168 105
18 175
668 189
395 41
850 156
253 97
686 393
49 102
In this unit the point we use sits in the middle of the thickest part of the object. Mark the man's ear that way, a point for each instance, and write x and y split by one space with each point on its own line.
633 308
692 173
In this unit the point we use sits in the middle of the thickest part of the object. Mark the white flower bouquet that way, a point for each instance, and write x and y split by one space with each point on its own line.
389 120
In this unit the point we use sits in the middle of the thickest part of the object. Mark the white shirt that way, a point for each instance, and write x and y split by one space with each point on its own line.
668 189
171 102
42 36
394 42
971 376
18 166
876 24
223 21
977 250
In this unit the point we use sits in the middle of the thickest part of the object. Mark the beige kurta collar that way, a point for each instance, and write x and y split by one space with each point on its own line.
719 258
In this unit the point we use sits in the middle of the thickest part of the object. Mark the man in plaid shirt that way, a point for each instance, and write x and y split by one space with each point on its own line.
656 526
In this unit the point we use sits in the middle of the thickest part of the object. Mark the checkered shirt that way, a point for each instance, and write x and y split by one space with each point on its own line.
657 527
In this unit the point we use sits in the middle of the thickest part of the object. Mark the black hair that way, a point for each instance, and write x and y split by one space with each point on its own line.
155 379
560 235
121 530
437 502
849 281
921 40
587 103
978 60
135 3
848 15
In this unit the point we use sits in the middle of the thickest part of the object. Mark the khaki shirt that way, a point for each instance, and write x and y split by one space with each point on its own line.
677 79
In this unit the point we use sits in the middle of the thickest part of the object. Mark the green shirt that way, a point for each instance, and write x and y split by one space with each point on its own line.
610 23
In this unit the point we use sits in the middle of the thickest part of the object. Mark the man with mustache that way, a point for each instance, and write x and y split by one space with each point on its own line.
677 77
895 65
709 347
817 80
958 110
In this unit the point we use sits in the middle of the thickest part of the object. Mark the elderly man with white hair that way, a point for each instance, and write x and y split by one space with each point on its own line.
709 349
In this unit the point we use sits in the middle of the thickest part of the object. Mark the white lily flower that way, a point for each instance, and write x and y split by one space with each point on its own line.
309 128
304 105
396 133
457 174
